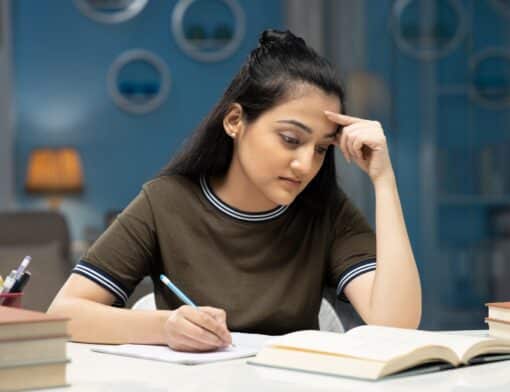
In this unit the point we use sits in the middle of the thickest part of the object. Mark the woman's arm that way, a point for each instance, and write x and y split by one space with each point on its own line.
392 294
93 320
110 270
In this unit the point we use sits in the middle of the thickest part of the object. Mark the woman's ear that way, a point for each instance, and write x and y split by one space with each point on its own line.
233 122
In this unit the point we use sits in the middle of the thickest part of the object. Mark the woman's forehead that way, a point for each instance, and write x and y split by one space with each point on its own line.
311 102
308 97
307 109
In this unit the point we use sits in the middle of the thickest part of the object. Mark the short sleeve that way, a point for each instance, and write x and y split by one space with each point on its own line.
353 249
123 254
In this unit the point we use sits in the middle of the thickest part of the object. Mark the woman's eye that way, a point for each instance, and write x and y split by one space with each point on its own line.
289 140
322 150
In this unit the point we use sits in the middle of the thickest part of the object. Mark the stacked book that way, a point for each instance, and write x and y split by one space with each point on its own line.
32 349
499 319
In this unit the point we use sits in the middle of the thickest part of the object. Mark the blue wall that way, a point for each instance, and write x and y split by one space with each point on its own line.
61 59
403 128
455 280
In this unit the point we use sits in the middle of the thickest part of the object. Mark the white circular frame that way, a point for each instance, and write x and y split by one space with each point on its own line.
156 62
134 9
474 61
177 28
405 46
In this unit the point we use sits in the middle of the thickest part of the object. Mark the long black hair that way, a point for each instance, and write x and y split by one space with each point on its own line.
273 70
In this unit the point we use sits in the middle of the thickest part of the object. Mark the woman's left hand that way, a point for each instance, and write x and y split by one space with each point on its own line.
363 142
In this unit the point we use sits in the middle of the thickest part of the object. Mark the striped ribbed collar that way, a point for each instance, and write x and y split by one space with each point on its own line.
235 213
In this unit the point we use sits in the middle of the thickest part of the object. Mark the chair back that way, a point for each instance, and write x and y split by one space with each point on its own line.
43 235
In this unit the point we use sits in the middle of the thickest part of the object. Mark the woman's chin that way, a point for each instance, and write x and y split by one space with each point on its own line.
283 197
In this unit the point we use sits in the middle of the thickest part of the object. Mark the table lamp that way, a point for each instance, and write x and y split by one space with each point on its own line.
54 172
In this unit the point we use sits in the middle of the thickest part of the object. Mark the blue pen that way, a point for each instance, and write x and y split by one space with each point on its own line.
183 297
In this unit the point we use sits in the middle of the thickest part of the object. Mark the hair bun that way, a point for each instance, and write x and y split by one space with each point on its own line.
273 38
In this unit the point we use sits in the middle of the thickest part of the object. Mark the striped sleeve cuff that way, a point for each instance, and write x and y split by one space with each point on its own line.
103 279
351 273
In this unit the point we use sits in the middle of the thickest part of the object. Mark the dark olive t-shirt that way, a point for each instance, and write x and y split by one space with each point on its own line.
267 270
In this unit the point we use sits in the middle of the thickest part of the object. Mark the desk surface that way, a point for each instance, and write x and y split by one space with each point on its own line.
91 371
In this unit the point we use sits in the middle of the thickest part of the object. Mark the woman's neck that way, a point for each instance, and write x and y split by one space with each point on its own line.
238 191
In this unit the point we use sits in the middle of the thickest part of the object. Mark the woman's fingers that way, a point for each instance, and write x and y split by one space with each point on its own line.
362 141
352 139
218 314
357 146
192 329
184 342
347 139
342 119
221 316
360 136
204 320
192 323
199 337
343 146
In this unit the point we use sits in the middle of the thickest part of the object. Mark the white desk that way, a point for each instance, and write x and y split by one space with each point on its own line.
91 371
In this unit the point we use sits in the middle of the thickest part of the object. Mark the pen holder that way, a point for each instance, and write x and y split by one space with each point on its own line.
11 299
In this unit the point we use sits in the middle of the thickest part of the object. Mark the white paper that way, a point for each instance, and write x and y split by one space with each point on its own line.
244 345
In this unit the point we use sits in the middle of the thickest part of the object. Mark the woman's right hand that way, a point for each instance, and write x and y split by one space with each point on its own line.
197 329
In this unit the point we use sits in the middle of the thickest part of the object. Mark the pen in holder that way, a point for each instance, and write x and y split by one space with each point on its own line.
11 299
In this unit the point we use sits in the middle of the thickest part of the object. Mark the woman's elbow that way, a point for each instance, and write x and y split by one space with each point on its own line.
410 320
412 323
61 306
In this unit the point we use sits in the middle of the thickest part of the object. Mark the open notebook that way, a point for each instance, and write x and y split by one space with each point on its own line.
244 345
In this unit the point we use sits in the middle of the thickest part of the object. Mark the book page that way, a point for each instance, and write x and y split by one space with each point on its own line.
367 346
460 344
244 345
374 342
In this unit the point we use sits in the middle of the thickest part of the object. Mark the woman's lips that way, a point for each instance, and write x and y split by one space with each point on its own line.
290 181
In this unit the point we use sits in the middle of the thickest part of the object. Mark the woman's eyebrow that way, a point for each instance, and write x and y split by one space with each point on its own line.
307 128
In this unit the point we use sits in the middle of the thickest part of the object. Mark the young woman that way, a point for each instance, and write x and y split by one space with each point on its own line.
248 220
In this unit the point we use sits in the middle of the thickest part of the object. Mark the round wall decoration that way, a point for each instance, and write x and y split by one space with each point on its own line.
428 30
490 78
138 81
110 11
208 30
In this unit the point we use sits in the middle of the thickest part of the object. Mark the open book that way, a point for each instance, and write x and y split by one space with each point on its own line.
372 352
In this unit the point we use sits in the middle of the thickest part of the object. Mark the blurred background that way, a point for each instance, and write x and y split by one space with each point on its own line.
96 96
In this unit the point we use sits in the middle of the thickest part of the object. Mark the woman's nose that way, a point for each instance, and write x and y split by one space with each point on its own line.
302 163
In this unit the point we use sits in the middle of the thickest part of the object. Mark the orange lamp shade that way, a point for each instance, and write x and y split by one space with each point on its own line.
54 171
